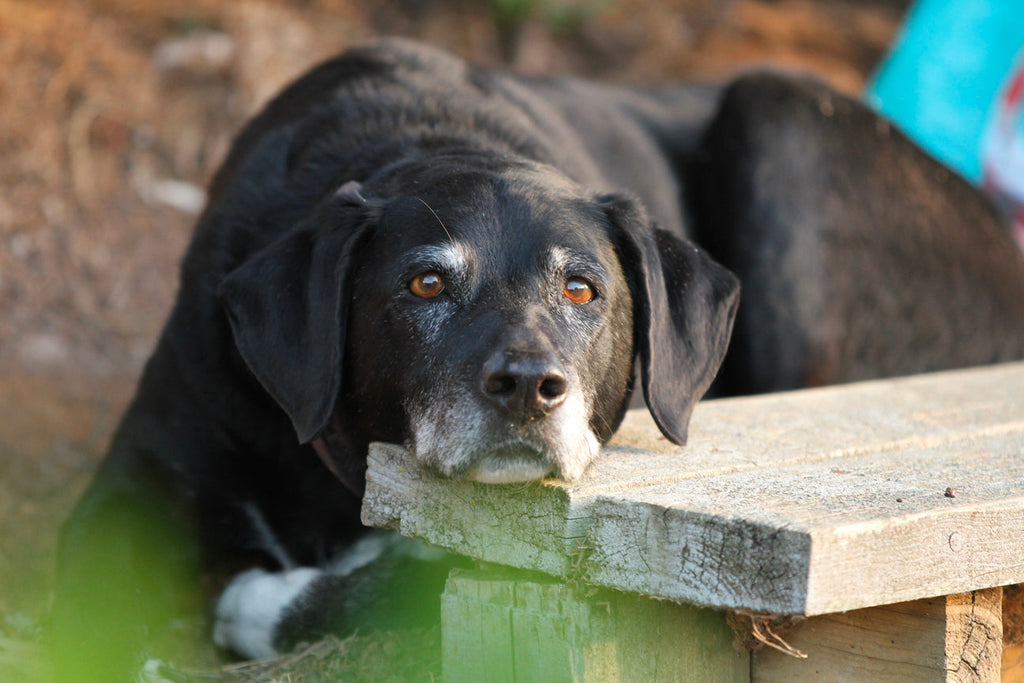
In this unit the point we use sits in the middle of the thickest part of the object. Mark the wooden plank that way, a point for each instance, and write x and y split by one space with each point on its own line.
491 523
946 639
553 633
801 503
482 653
867 530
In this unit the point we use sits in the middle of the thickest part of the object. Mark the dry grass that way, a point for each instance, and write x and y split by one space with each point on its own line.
398 656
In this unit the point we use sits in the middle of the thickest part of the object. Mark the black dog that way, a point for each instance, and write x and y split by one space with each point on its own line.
406 248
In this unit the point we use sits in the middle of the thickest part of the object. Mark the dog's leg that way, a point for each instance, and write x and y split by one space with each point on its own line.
254 604
381 580
860 256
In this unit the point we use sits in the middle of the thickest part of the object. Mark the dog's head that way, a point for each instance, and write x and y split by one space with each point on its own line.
487 317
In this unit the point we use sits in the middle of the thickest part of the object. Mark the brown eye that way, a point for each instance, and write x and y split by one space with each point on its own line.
578 290
427 285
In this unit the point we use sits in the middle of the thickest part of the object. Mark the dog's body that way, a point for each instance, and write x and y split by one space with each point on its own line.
405 248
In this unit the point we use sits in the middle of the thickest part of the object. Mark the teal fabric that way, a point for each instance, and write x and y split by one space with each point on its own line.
940 80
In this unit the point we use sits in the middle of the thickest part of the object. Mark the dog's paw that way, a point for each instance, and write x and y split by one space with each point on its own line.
251 607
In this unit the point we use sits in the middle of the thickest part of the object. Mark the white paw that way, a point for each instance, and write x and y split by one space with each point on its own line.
251 607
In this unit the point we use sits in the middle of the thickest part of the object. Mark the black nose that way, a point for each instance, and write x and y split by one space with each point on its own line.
524 384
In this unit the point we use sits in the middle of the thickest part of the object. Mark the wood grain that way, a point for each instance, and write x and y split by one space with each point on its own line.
952 639
807 502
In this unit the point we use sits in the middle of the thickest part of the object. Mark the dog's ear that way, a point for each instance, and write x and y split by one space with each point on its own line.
684 305
288 307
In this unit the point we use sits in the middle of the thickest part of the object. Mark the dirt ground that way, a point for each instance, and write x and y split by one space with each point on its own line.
114 113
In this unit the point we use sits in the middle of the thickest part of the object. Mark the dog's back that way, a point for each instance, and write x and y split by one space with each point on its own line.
860 256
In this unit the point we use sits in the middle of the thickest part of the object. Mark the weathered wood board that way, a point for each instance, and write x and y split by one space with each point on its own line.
807 502
951 638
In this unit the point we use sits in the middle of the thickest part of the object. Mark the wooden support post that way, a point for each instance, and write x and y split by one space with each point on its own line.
501 627
945 639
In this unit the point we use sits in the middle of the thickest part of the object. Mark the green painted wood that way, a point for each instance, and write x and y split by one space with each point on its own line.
499 626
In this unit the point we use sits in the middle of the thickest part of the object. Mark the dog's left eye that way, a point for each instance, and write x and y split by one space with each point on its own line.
578 290
427 285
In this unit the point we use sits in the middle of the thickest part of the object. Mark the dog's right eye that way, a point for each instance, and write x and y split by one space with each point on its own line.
427 285
578 291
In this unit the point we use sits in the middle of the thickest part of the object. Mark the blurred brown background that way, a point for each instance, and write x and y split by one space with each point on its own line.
114 113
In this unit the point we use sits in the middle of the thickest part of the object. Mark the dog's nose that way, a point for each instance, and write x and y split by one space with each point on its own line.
526 385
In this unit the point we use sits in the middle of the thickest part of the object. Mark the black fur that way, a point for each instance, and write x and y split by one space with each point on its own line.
294 331
860 255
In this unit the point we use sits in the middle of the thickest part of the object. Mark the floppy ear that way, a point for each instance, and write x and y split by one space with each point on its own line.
684 306
288 307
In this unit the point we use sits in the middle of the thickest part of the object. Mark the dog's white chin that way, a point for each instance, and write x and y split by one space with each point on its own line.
456 441
504 471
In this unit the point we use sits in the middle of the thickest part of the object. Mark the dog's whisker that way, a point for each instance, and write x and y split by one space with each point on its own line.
439 221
